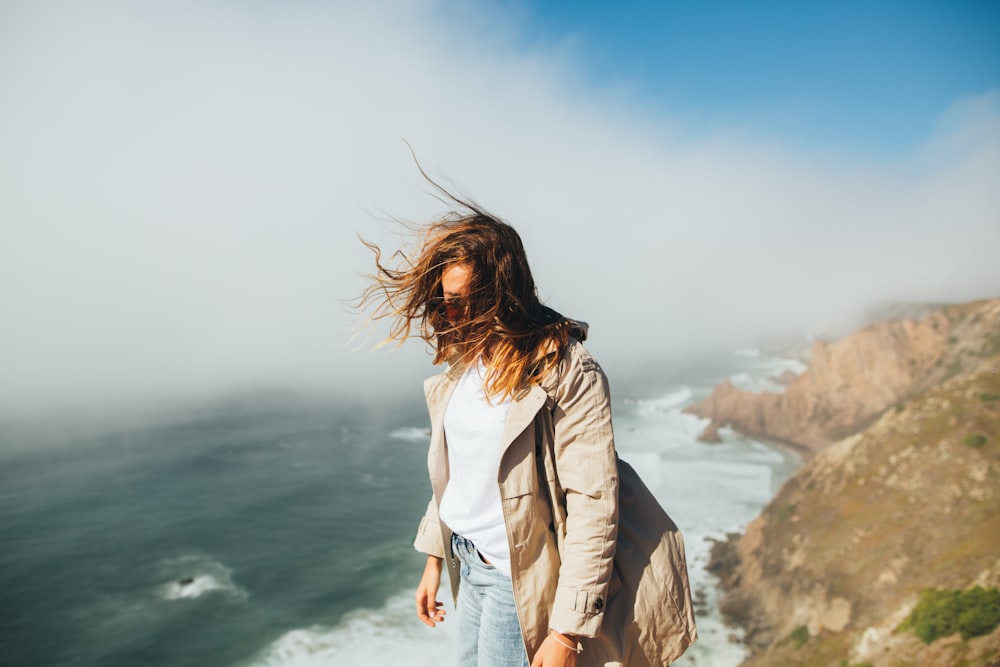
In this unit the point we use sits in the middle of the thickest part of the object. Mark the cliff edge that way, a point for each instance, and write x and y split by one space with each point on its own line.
911 501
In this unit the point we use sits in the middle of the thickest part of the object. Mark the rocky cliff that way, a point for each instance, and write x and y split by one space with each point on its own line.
836 562
852 381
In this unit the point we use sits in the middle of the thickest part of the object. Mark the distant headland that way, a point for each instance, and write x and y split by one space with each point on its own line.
884 548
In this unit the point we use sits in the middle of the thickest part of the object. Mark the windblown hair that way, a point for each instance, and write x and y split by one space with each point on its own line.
519 339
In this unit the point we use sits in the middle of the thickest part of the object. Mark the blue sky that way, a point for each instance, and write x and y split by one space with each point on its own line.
867 78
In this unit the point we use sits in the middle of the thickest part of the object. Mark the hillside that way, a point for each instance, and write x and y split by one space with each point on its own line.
838 559
849 383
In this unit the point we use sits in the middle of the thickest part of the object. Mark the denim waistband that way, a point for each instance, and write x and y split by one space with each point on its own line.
459 543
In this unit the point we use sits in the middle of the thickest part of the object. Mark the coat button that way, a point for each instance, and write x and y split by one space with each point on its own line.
598 604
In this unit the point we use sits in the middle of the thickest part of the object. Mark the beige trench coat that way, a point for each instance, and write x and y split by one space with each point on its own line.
577 566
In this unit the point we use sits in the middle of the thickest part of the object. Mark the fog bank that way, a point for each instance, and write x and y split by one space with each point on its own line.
181 187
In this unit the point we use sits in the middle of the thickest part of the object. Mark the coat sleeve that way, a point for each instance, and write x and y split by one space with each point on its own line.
429 540
587 468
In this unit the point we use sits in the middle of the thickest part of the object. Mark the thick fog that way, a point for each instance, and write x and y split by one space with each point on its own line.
182 186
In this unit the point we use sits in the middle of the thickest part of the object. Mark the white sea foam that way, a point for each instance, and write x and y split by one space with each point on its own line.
390 635
413 433
191 588
763 372
789 364
674 399
658 424
194 575
108 617
645 439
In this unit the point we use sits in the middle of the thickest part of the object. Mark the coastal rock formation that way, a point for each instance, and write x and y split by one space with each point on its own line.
837 560
849 383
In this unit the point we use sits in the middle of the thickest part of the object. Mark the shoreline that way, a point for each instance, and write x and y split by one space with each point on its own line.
804 452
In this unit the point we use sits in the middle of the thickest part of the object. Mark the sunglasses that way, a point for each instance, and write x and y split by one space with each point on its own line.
452 308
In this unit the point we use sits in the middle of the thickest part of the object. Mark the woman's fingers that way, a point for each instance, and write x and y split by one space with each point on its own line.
432 617
429 610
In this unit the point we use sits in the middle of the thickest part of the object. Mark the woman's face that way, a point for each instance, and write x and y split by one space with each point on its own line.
455 281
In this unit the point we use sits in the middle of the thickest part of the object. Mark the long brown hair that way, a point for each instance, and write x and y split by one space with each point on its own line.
519 339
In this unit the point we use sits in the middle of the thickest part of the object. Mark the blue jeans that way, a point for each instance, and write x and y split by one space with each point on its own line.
489 633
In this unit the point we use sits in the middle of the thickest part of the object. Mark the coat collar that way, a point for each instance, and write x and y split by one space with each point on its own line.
439 389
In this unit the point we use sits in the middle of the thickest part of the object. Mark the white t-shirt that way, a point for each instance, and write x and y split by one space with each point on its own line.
473 430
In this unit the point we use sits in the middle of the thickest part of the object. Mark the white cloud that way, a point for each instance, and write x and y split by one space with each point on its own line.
181 185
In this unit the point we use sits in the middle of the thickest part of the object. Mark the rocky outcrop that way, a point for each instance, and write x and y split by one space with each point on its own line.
826 574
849 383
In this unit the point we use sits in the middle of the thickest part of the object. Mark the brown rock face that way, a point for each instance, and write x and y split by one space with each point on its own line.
850 382
842 552
829 570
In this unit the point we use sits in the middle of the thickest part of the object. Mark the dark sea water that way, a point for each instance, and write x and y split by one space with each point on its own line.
293 520
288 516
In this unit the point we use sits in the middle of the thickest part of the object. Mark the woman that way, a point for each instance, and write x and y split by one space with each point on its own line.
523 467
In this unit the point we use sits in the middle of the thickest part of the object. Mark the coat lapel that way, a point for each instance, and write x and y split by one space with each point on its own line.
522 412
438 390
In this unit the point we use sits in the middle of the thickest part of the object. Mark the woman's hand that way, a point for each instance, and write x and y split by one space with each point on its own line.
429 609
553 653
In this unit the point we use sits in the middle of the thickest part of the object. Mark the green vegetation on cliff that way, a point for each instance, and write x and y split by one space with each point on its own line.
940 613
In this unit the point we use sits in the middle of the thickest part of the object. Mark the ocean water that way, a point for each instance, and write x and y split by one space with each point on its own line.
268 531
